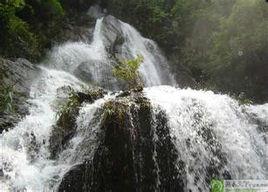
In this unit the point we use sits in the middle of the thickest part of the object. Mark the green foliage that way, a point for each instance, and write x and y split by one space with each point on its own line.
237 58
14 31
127 70
71 103
115 111
56 5
6 99
19 21
224 43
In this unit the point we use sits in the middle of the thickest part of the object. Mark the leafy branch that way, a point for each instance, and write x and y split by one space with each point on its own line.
127 70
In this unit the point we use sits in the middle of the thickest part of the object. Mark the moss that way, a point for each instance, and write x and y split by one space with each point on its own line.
68 112
115 111
75 99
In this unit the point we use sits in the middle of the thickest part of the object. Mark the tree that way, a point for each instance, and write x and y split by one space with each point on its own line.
127 70
238 56
20 35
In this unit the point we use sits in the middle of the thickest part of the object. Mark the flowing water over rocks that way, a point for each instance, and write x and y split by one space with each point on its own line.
161 139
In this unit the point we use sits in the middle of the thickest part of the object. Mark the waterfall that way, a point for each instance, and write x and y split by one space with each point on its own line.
92 62
204 124
211 133
135 45
24 149
70 55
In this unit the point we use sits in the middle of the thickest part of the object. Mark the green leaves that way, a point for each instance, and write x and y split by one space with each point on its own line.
71 103
217 185
6 99
56 5
20 35
128 70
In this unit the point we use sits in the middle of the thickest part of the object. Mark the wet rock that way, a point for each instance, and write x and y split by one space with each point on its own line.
99 72
127 157
72 179
19 74
91 96
135 151
66 126
171 178
113 34
63 131
96 11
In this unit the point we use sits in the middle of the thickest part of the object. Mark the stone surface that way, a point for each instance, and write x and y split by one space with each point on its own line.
66 127
19 74
127 157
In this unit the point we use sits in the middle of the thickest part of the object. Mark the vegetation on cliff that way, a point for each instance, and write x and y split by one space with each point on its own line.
24 24
223 43
29 27
127 70
6 99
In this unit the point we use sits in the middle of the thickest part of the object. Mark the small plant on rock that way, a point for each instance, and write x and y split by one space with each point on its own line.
70 104
127 70
6 99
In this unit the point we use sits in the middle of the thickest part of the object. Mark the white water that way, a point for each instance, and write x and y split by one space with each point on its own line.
240 140
71 54
42 174
189 111
19 170
24 157
135 45
95 59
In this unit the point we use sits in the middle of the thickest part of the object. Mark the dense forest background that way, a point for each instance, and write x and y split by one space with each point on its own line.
223 43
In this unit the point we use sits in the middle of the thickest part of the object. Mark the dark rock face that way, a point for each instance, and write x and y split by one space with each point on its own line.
63 131
167 156
66 126
133 154
135 151
78 5
97 71
77 26
18 74
182 74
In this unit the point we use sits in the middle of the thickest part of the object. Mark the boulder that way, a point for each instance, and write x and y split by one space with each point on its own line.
113 34
128 157
65 127
19 74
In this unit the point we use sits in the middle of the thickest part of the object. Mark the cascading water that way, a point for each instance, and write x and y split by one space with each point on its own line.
95 59
212 133
203 125
31 136
135 45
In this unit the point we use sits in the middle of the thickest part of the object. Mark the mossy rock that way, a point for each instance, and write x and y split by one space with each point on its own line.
125 159
65 127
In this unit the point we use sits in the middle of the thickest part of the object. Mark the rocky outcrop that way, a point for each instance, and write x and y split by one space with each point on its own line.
19 75
113 34
66 126
134 153
133 150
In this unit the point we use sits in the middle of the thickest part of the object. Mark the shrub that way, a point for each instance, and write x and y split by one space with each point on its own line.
20 34
127 70
71 103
